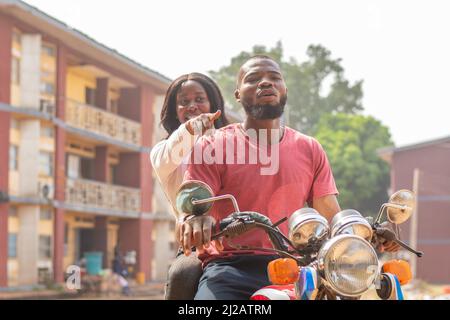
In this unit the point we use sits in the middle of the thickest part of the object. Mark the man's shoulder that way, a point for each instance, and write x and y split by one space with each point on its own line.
231 128
301 138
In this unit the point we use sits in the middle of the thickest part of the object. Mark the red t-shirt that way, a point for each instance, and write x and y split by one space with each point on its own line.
276 185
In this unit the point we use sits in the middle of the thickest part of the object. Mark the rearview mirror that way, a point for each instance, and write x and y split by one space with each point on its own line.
401 206
190 191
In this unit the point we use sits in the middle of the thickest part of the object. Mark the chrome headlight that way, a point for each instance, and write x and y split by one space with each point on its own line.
307 226
351 222
349 264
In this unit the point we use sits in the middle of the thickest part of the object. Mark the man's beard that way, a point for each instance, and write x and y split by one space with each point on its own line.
265 111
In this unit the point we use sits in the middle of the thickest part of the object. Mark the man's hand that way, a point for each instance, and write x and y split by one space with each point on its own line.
202 123
196 232
386 245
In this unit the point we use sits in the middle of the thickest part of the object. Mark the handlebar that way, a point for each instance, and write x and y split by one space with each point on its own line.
389 235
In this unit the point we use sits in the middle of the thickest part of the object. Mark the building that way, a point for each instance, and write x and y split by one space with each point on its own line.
77 121
431 159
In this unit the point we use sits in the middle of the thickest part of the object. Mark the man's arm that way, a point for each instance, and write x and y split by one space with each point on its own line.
327 206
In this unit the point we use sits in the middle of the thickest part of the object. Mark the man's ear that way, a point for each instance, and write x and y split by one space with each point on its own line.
237 95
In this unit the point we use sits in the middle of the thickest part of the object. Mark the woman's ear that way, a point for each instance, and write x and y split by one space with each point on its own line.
237 95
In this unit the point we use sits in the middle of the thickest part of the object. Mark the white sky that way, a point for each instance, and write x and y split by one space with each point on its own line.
399 48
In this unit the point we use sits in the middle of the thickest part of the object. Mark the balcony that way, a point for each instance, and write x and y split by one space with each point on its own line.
102 122
99 195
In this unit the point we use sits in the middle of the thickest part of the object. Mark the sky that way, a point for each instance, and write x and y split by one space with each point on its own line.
401 49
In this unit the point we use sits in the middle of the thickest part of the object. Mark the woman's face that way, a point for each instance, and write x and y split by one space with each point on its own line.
192 101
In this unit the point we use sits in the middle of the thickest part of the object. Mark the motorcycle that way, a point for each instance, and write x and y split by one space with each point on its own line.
319 261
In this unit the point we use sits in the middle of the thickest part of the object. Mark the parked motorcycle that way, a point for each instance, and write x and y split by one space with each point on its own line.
319 260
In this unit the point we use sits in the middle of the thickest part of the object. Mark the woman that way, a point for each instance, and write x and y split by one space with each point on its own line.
193 105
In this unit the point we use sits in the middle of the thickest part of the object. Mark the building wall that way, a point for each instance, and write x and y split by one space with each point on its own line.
43 74
433 214
77 81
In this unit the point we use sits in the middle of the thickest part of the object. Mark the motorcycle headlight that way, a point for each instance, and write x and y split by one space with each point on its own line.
307 226
351 222
349 264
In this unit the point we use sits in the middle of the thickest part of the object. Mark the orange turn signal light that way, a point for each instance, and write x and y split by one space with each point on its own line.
283 271
400 268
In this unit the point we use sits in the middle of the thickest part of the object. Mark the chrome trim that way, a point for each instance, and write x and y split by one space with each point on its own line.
322 256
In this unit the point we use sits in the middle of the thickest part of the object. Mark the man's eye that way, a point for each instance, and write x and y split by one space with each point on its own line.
276 77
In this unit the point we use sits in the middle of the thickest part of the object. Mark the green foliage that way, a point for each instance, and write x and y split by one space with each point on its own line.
322 103
315 87
350 142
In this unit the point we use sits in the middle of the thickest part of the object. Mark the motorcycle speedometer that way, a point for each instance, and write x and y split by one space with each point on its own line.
349 264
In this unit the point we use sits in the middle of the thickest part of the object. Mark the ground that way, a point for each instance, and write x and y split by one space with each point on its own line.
417 290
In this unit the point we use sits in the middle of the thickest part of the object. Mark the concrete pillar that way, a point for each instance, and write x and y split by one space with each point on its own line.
101 223
28 215
5 120
29 157
136 234
125 176
30 71
129 103
27 244
102 93
60 167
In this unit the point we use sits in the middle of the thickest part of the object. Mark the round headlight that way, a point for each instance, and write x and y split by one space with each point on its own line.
349 264
307 226
351 222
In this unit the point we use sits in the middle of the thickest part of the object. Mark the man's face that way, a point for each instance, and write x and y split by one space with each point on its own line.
261 89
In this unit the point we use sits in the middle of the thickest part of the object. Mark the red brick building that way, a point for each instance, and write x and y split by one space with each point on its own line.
432 159
76 127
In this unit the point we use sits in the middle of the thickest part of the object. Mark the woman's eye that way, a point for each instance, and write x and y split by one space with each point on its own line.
200 99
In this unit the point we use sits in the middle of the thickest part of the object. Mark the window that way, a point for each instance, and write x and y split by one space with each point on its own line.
73 166
112 178
13 158
66 238
15 70
45 247
90 96
48 132
46 163
47 88
12 245
114 106
46 214
87 168
48 50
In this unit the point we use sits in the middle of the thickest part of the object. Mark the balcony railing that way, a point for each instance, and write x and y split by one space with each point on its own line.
102 122
103 196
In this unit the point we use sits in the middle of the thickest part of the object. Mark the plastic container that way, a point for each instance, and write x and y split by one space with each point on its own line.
140 278
93 262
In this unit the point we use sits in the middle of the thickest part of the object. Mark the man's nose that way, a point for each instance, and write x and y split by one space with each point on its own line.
265 82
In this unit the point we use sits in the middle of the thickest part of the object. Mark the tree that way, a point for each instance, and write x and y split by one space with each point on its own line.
316 87
350 142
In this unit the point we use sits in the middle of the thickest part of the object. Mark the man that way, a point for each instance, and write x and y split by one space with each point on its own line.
302 175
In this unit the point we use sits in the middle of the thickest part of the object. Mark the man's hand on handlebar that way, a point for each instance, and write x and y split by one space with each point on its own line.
196 232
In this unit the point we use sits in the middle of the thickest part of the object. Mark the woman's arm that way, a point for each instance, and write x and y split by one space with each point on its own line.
168 154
